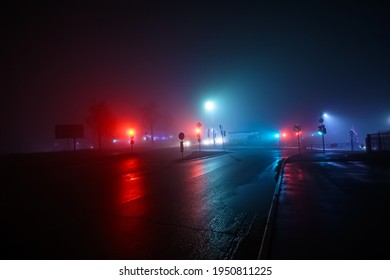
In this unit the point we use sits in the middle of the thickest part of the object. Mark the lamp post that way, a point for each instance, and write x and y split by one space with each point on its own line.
210 107
322 130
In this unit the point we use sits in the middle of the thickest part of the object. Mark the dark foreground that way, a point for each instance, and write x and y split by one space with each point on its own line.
142 205
333 206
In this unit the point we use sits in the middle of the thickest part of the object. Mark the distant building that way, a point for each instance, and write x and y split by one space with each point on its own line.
244 136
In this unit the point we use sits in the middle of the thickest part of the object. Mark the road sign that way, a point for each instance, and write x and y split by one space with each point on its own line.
198 124
181 135
69 131
297 127
321 120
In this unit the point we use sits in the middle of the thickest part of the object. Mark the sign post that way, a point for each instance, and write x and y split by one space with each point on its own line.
199 125
181 137
352 133
222 134
68 131
297 129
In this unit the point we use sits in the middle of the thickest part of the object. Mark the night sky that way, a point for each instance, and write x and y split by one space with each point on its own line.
265 64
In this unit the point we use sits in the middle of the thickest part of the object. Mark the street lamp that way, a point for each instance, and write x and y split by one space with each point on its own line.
210 107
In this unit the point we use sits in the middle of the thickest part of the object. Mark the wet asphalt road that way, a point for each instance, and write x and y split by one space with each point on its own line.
146 205
333 207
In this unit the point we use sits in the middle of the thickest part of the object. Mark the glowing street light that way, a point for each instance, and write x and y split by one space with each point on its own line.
209 106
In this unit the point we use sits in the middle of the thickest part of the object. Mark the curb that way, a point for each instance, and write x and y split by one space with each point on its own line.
266 240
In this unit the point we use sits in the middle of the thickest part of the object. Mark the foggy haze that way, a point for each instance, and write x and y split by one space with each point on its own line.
265 66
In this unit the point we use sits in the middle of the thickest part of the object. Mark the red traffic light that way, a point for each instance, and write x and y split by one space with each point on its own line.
131 132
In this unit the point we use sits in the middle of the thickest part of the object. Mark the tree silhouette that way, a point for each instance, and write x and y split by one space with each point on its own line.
167 123
150 116
100 119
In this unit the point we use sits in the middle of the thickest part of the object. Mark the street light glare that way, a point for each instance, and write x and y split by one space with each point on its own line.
209 106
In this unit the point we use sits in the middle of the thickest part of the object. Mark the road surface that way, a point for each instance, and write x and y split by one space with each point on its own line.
143 205
333 206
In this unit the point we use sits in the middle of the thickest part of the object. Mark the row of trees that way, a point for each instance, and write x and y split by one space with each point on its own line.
102 121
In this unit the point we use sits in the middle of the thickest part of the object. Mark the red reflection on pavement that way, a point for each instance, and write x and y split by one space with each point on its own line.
131 185
197 169
125 228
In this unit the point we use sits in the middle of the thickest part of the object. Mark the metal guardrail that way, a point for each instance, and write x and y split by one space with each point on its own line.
378 142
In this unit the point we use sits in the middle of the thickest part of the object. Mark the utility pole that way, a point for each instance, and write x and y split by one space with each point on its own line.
322 130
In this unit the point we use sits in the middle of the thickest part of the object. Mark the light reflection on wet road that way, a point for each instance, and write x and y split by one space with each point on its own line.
131 185
150 206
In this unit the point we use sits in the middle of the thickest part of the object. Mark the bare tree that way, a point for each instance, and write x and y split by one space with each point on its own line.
167 123
100 119
150 116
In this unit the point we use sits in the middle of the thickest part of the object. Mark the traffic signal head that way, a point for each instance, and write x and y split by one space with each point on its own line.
131 133
322 129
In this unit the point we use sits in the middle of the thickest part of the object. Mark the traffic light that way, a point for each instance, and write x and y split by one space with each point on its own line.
131 134
322 129
208 132
197 132
224 133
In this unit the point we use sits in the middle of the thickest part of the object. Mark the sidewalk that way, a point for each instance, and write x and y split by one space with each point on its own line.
333 206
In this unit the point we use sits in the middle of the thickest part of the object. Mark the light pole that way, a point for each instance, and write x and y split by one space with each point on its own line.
322 130
352 135
210 107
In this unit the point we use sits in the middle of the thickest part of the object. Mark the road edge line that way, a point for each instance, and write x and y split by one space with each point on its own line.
266 239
